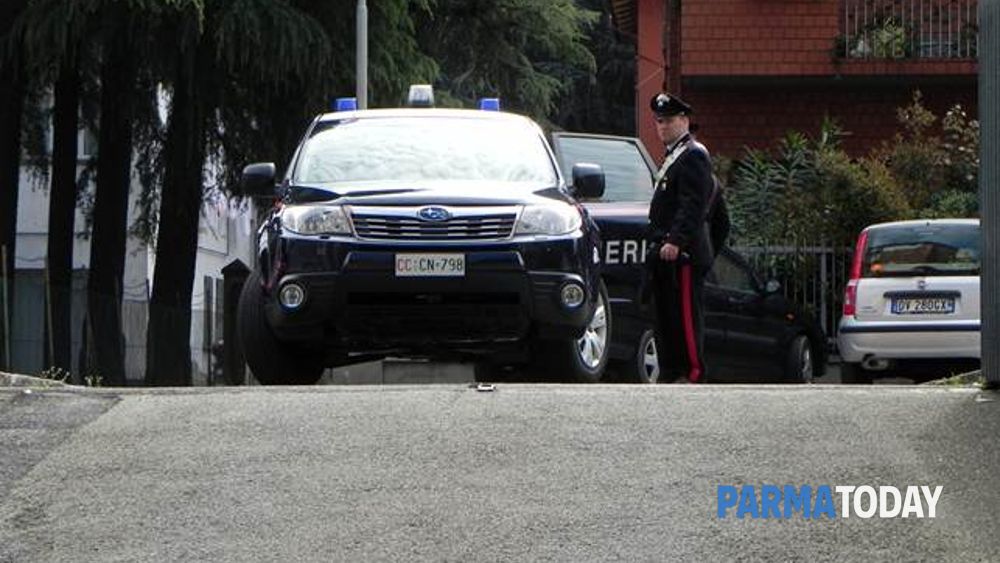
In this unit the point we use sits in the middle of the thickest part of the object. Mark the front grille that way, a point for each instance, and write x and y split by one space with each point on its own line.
466 227
437 323
468 298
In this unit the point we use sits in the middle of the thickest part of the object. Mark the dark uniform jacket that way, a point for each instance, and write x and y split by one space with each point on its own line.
680 205
718 219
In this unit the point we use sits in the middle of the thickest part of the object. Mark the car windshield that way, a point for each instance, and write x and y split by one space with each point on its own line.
923 250
424 148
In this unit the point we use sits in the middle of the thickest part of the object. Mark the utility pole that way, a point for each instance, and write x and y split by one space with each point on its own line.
989 187
361 70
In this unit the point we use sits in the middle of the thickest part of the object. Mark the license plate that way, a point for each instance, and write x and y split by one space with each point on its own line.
429 265
932 305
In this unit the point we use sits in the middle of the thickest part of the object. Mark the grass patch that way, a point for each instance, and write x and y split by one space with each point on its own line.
968 379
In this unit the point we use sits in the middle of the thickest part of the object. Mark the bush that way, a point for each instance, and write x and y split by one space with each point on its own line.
929 164
811 190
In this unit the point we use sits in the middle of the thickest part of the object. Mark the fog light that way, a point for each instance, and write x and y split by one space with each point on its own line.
292 296
572 295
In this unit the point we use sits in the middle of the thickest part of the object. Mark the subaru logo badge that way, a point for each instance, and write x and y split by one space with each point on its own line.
434 214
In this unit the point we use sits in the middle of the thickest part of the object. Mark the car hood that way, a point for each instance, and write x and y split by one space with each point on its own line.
448 192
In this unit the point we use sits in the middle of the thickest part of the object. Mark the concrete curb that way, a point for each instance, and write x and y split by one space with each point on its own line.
15 380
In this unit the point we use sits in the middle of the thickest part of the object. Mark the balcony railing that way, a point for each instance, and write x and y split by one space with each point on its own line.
909 29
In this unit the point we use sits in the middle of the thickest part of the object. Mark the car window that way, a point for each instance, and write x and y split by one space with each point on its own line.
424 148
933 249
729 274
627 176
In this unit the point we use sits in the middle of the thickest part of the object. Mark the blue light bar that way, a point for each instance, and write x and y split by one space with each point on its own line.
489 104
345 104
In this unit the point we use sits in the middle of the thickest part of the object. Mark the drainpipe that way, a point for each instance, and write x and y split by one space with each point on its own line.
672 47
989 186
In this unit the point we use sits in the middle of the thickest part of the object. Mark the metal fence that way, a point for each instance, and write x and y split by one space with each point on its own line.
812 276
28 341
916 29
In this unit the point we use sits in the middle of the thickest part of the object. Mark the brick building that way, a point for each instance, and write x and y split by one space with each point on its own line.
755 69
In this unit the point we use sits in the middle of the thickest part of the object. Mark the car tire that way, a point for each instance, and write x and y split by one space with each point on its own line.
580 360
798 361
643 366
854 374
271 361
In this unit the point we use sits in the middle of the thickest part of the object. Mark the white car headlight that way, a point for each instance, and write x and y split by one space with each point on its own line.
316 220
548 220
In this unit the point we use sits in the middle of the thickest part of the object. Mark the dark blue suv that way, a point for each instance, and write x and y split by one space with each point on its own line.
445 234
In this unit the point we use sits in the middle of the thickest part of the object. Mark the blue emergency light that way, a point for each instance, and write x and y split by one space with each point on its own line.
345 104
489 104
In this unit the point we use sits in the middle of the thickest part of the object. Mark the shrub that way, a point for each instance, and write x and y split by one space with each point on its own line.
932 166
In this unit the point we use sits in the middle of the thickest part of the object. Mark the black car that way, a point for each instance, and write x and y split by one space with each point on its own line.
422 232
752 332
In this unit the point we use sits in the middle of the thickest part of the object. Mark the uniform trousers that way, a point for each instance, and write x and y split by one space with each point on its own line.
677 289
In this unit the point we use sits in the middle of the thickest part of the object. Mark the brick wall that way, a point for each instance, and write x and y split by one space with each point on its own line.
759 116
759 37
756 69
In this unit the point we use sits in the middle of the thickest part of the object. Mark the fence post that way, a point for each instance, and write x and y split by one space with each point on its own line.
234 275
823 284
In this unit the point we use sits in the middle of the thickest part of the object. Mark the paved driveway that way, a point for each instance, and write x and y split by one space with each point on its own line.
528 472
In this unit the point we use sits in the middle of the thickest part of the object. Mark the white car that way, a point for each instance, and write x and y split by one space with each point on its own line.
912 297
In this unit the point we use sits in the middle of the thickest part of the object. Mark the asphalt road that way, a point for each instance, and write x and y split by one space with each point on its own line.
527 472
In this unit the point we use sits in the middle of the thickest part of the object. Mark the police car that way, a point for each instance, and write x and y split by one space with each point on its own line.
424 232
752 332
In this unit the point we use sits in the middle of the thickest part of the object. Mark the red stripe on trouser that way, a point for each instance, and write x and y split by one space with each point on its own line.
688 322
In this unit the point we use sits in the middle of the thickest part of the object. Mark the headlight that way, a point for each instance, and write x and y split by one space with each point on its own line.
548 220
316 220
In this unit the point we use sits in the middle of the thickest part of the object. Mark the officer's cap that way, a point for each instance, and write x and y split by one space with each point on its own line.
666 105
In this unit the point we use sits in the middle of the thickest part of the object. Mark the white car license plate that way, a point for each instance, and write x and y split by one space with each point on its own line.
428 265
920 306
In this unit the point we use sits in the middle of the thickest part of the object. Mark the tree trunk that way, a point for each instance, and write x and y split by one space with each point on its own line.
107 244
11 106
168 342
62 210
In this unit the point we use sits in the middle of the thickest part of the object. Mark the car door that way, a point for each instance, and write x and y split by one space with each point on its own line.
753 333
621 215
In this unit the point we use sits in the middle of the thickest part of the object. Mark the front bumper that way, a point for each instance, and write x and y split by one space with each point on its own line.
355 301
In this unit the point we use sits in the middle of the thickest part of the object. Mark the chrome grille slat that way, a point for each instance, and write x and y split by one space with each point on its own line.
401 227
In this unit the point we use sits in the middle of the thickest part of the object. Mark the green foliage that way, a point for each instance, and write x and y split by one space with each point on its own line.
811 190
854 194
929 162
601 102
54 373
524 51
952 203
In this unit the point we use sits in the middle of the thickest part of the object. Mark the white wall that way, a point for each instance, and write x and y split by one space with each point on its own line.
225 233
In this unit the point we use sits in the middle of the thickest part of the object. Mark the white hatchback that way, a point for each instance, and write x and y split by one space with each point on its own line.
913 295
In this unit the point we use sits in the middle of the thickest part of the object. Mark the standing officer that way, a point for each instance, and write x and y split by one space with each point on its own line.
680 252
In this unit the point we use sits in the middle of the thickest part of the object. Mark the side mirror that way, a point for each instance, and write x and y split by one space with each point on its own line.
258 180
588 180
772 286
